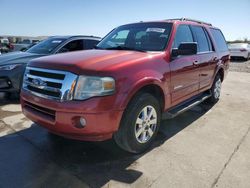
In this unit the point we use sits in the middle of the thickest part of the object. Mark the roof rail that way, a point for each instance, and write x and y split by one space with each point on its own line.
192 20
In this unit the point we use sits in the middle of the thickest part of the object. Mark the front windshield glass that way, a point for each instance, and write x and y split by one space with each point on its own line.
46 46
139 37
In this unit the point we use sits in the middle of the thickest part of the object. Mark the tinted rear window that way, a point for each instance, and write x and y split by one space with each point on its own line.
219 40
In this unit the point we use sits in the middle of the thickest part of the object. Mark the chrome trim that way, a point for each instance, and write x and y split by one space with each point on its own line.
47 88
47 70
45 79
178 87
65 92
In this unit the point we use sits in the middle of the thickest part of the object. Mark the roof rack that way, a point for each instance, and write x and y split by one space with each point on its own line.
192 20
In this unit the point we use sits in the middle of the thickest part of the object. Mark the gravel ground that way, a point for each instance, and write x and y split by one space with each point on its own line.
240 66
207 146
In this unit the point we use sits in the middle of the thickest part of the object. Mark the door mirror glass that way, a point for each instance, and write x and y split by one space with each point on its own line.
185 48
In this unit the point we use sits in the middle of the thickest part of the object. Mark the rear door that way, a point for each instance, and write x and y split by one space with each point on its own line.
207 57
184 72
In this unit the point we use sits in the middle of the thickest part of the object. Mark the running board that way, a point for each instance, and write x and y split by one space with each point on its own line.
183 107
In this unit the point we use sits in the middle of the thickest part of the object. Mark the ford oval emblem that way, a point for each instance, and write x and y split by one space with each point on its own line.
39 82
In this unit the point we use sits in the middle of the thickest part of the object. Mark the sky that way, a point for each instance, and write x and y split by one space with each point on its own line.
98 17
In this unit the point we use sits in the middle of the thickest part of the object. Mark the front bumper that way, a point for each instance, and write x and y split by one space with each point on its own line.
11 80
62 118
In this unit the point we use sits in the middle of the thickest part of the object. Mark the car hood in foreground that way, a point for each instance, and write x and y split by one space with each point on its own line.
17 58
91 60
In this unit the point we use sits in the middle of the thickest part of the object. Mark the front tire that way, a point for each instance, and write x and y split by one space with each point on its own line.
215 90
140 124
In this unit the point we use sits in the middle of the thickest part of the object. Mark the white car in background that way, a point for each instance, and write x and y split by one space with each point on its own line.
239 50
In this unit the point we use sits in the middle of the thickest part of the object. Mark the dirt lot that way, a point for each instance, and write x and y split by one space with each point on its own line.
240 66
207 146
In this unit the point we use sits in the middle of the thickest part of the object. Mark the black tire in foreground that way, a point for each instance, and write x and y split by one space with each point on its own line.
140 124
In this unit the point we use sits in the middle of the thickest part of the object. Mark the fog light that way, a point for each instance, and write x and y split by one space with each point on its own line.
82 122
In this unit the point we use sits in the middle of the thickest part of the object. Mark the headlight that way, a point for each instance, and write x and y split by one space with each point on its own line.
88 86
9 67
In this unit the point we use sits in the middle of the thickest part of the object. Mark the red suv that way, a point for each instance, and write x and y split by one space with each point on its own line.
137 75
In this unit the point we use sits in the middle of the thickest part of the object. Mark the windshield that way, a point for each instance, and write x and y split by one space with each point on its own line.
46 46
139 37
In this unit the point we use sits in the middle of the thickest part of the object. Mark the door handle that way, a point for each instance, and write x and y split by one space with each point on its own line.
196 63
215 59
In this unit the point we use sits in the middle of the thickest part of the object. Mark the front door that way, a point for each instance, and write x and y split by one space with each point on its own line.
184 69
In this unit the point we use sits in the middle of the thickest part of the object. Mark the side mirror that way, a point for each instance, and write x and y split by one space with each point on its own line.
185 48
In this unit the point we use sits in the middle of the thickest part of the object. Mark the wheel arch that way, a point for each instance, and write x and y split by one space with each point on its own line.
221 73
151 86
220 69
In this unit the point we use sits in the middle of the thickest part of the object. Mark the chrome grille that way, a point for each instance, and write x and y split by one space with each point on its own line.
51 84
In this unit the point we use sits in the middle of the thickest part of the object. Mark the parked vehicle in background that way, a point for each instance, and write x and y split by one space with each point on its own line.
239 50
4 41
12 65
24 44
5 46
137 75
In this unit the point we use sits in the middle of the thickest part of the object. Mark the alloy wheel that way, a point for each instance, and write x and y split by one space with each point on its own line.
217 89
145 125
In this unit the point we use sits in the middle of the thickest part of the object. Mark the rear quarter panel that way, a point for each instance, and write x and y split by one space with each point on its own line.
223 57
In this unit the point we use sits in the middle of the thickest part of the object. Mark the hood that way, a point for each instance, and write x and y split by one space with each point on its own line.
17 57
91 60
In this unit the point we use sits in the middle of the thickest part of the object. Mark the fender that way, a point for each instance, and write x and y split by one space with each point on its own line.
219 66
153 78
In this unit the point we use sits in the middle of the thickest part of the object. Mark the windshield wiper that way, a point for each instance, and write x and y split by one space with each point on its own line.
125 48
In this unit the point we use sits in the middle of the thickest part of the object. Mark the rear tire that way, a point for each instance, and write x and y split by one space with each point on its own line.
215 90
140 124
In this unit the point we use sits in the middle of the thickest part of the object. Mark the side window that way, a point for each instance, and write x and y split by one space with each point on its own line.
183 34
74 45
90 44
201 39
211 47
219 40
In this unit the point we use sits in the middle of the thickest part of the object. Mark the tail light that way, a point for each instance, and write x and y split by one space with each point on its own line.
243 50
